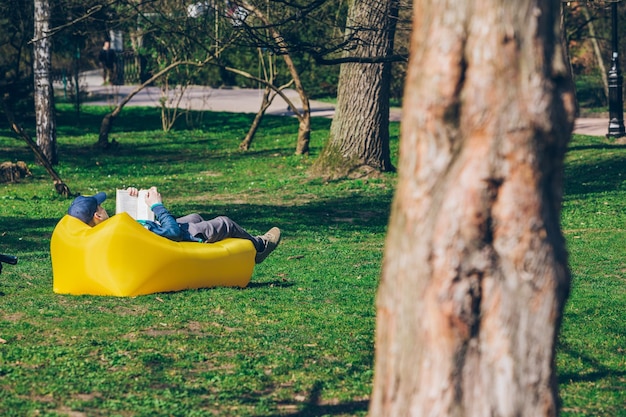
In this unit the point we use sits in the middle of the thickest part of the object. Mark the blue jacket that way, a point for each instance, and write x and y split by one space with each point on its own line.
165 225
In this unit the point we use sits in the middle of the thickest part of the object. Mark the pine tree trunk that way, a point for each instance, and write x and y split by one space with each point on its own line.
475 270
359 134
44 95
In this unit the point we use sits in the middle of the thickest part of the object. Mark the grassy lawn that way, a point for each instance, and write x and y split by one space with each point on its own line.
298 341
592 349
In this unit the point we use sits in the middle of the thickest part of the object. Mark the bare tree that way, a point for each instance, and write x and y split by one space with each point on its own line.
304 116
269 94
359 134
44 95
107 122
475 272
596 49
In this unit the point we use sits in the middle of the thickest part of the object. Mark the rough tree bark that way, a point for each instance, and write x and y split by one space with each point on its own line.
44 96
475 269
359 134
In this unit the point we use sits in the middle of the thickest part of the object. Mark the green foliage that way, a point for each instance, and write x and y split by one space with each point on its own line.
590 92
299 339
16 31
16 19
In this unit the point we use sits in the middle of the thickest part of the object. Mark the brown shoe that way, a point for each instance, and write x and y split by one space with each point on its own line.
271 239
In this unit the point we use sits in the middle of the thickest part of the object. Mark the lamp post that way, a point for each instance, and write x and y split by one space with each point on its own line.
616 100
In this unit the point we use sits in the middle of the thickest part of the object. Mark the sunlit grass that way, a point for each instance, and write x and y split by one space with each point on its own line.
299 339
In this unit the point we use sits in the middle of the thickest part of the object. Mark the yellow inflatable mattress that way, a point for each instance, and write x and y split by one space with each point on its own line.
119 257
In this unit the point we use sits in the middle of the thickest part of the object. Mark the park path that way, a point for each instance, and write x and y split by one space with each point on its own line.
244 100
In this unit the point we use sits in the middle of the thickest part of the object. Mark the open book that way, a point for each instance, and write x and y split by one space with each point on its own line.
135 206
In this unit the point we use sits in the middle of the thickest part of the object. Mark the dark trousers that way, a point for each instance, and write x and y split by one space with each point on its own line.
218 229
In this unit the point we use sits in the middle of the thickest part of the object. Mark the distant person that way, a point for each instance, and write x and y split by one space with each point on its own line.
190 228
107 58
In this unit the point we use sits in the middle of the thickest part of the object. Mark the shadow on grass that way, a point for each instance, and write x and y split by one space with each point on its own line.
330 217
315 410
139 119
600 371
22 235
155 155
280 284
594 176
601 147
136 119
313 406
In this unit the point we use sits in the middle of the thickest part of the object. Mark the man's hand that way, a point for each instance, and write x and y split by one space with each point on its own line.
153 197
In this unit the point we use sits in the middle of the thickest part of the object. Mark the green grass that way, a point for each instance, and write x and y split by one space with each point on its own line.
299 340
592 349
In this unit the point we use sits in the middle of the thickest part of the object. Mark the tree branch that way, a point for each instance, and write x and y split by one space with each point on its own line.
277 90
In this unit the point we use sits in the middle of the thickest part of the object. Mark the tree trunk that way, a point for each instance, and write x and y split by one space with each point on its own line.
475 271
596 50
44 95
304 122
359 134
266 102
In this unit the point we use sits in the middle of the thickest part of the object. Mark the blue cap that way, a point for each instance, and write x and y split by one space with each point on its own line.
84 207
